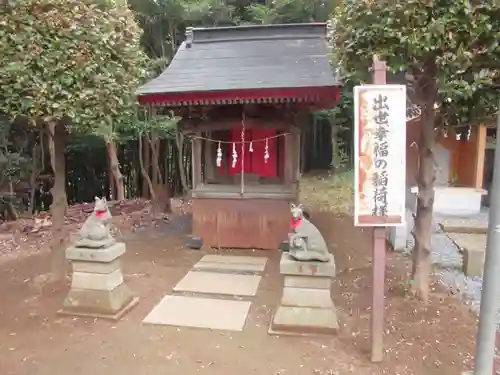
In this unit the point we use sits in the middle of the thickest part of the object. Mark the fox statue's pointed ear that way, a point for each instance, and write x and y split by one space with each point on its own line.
96 199
292 205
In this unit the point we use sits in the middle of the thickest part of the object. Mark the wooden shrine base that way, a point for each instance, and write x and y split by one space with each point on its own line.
253 223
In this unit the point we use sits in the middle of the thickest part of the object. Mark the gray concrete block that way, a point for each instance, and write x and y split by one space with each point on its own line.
289 266
96 267
305 320
100 303
314 282
473 262
302 297
97 281
96 255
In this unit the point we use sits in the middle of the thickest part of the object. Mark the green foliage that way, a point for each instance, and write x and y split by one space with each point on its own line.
164 126
450 50
290 11
209 13
67 58
262 14
164 21
15 165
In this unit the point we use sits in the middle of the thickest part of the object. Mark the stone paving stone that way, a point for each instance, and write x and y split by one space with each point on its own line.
218 283
237 259
235 267
200 313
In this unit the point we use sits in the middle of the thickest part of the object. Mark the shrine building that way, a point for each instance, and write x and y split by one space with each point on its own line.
244 94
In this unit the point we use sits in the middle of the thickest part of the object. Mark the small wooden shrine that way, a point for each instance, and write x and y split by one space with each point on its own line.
244 94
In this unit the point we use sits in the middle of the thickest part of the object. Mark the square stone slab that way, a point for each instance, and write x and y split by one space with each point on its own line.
234 259
218 283
200 313
229 267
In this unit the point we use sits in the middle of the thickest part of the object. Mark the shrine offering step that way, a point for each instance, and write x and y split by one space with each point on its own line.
231 263
218 283
212 313
198 312
306 306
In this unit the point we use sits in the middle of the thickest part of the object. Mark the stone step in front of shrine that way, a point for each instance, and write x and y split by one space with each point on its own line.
216 288
231 263
306 306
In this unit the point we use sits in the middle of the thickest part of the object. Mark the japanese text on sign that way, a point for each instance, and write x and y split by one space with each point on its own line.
381 153
380 165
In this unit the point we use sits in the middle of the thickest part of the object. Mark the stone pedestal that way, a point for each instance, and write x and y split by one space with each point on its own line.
97 287
473 262
306 306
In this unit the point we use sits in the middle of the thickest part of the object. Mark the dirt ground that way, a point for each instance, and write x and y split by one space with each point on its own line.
34 340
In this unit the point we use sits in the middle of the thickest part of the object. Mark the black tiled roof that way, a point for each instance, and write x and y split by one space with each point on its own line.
247 57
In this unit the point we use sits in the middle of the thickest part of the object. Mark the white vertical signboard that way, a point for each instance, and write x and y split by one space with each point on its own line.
380 155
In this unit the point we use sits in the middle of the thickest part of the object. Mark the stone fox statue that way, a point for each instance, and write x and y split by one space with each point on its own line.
305 241
94 232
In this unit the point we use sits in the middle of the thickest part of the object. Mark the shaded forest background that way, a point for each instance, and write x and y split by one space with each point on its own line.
141 154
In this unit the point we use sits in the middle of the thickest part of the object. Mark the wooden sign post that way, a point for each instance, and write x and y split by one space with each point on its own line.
380 177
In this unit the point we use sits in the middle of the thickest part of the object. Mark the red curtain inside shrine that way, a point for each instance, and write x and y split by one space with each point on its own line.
254 161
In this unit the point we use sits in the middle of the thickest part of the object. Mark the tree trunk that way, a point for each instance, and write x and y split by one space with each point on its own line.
51 127
59 204
179 139
161 191
154 143
114 166
144 172
10 210
42 152
53 153
173 41
111 185
33 176
145 161
422 231
155 163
